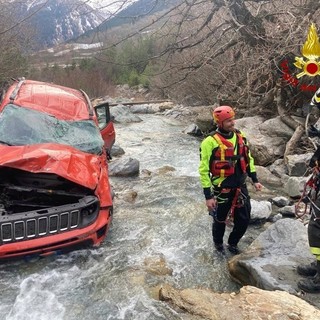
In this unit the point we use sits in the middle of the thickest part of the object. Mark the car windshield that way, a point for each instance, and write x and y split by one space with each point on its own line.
22 126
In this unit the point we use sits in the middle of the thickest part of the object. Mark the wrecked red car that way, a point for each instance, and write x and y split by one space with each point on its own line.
54 189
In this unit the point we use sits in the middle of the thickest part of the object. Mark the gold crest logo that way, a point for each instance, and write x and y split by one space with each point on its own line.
311 51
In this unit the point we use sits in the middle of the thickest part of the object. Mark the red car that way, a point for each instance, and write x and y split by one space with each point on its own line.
54 188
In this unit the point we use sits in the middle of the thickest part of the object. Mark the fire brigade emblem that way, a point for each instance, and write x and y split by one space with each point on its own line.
311 51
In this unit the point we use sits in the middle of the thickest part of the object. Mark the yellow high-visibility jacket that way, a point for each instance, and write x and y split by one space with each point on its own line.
208 148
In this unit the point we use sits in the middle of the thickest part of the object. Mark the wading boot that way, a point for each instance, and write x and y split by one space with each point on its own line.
219 247
311 285
233 249
307 270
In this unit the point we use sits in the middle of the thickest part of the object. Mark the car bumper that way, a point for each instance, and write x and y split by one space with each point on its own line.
93 234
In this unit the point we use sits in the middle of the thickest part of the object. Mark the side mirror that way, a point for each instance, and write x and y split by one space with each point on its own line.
103 114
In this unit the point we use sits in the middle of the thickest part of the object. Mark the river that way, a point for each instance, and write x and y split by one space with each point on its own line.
161 233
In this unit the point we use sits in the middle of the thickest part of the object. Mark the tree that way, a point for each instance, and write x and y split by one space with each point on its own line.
15 43
229 51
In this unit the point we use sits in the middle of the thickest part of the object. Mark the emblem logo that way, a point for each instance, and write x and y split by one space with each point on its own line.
311 51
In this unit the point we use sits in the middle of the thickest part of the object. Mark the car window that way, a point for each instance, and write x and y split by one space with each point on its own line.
22 126
103 115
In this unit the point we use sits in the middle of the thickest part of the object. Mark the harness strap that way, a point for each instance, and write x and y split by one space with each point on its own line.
306 195
239 152
235 204
223 148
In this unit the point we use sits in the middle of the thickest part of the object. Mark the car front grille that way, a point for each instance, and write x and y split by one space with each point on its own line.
40 226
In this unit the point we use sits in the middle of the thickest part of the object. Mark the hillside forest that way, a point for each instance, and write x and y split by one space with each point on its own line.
195 52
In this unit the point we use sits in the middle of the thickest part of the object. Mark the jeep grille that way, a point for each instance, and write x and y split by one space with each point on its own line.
39 226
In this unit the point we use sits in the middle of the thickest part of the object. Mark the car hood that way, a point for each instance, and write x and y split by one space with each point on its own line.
67 162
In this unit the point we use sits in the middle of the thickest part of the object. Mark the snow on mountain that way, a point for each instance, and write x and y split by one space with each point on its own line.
57 21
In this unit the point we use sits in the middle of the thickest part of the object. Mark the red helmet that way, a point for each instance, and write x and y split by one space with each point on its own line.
222 113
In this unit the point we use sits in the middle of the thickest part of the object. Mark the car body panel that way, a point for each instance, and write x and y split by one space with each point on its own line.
106 125
108 135
61 102
50 244
51 176
67 162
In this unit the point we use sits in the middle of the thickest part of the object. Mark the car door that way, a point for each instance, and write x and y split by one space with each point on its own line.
105 125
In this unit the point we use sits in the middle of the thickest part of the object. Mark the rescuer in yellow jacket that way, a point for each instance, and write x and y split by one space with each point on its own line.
225 162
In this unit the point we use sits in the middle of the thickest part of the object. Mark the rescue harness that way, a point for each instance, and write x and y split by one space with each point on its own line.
238 201
309 195
226 155
224 165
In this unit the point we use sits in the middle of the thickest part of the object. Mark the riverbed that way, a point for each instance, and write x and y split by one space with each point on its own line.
161 233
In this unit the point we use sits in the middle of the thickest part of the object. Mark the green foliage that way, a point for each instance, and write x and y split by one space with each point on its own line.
128 64
87 64
132 60
84 75
133 78
13 64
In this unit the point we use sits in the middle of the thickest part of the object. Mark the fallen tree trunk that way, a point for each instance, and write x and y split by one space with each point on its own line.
290 122
138 102
292 143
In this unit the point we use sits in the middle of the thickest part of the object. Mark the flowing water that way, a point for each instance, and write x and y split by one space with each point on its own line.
161 233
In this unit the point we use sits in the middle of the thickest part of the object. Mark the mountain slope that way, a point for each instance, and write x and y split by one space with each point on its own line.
56 21
134 12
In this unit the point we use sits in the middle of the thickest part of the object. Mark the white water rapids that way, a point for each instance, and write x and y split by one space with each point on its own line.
164 224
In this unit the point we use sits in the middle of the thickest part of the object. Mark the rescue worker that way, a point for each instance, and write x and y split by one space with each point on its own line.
225 162
312 271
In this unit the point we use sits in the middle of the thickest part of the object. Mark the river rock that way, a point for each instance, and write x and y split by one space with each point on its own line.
193 130
288 211
267 139
249 304
151 108
270 261
165 170
260 210
280 201
116 151
122 114
179 112
157 266
266 177
294 186
298 164
279 168
130 196
203 118
124 167
276 217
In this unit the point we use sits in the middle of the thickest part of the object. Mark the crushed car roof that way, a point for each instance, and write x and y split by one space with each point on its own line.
61 102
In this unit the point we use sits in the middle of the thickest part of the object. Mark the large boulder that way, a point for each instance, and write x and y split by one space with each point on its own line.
116 151
260 210
250 303
298 164
151 108
267 139
281 201
124 167
270 261
294 186
265 176
123 114
193 130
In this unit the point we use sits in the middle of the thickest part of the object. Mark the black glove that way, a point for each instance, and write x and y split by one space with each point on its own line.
313 132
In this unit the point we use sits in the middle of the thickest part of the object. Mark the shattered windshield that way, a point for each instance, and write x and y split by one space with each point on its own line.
21 126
